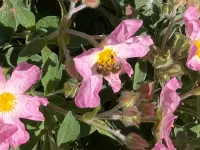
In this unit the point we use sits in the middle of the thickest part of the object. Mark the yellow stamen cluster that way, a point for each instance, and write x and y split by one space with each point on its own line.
197 43
106 62
7 102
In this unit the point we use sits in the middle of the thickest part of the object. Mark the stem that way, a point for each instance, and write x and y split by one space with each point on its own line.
186 95
57 109
109 113
56 92
98 125
169 29
83 35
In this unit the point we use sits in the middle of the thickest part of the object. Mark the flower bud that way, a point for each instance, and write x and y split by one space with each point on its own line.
71 88
147 90
91 3
128 99
135 141
131 117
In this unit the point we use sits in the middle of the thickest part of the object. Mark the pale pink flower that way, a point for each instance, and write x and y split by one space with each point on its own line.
169 101
15 104
108 62
192 29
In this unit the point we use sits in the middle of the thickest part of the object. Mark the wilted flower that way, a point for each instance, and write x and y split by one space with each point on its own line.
108 62
169 101
192 26
14 104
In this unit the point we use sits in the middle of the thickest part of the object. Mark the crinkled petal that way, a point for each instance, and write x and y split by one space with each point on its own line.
159 146
123 31
114 81
169 99
6 131
191 14
21 136
22 78
193 61
192 25
4 146
166 126
85 62
2 80
126 67
88 96
28 107
133 47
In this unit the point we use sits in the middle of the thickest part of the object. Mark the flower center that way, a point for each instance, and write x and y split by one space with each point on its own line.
106 62
197 43
7 102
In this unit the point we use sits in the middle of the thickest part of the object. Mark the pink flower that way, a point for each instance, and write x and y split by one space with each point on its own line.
192 27
169 101
108 62
15 104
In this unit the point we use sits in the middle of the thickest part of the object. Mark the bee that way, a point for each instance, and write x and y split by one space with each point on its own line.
106 70
117 66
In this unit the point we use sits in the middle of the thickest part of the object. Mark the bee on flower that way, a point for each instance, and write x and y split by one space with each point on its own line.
109 62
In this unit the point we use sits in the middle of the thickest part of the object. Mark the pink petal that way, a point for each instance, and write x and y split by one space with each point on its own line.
159 146
123 31
192 25
166 127
22 78
169 99
88 95
133 47
85 62
2 80
28 107
191 14
114 81
4 146
6 131
193 61
126 67
21 136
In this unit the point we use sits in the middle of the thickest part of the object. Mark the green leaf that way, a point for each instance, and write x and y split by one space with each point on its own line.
51 73
46 52
25 17
69 129
8 23
50 23
196 129
139 74
34 47
86 129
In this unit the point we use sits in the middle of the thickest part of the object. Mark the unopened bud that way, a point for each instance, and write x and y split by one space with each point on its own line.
71 88
128 98
131 118
135 141
147 109
91 3
147 90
